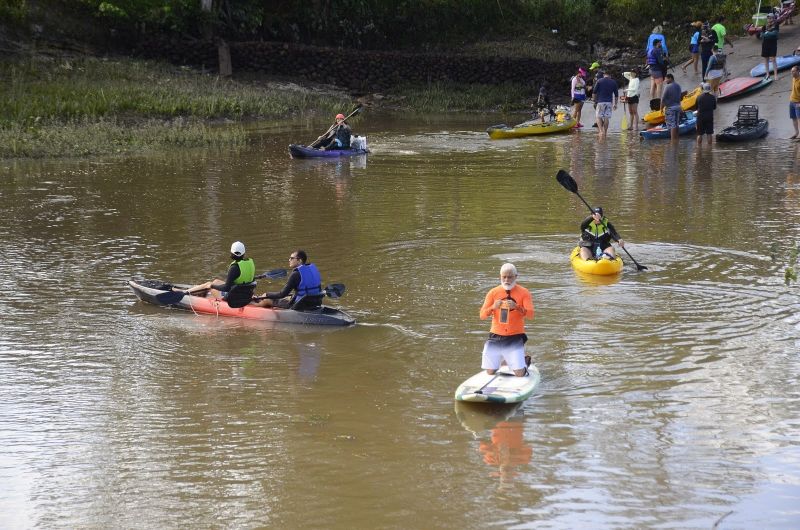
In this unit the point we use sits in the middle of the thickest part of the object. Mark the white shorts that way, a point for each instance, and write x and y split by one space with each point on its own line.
603 110
495 352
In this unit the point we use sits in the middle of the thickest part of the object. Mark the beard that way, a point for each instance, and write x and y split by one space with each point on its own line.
508 285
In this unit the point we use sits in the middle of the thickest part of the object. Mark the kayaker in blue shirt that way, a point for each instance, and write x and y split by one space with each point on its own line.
241 271
339 135
304 282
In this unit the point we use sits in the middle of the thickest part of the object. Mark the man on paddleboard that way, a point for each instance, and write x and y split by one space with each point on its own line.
509 304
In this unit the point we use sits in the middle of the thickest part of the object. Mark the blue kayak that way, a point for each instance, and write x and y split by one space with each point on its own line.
784 62
686 126
302 151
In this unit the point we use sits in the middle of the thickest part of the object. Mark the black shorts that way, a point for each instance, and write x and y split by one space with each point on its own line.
705 125
632 100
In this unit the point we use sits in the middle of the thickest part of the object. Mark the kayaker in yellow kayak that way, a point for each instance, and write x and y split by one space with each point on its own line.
597 233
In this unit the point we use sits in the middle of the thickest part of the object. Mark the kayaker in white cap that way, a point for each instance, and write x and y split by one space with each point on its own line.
242 270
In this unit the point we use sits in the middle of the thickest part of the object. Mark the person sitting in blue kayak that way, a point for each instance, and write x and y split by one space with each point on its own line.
596 235
241 273
304 282
338 136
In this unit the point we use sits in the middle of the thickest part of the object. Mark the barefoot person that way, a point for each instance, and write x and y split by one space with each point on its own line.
794 102
509 304
632 97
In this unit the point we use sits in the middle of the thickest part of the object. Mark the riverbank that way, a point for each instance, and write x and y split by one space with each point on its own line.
64 105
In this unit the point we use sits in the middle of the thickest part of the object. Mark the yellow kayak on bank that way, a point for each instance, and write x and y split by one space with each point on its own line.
601 267
688 102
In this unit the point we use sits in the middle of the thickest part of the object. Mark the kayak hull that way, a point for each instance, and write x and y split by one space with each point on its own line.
686 127
502 387
148 290
302 151
784 62
740 86
498 132
603 267
736 133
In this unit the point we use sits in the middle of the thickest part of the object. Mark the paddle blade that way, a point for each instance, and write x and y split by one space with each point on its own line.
624 124
272 275
169 297
566 180
334 290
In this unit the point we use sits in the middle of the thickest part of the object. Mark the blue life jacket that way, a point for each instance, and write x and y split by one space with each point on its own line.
310 281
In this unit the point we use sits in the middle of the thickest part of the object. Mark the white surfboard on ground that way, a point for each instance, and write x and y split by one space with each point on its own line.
502 387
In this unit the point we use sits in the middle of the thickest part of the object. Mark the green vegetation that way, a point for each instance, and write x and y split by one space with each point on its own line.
58 107
440 97
791 274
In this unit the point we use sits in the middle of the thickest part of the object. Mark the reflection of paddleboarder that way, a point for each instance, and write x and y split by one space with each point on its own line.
506 449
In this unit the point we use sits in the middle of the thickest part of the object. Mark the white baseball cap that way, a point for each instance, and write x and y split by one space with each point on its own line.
237 248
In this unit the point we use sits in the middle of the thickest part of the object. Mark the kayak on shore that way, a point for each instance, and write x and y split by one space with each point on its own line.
562 122
748 126
688 102
686 126
162 293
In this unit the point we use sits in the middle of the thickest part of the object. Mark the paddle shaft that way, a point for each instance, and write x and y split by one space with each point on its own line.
356 111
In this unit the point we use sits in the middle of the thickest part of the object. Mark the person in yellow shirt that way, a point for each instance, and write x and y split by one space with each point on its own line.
794 102
509 304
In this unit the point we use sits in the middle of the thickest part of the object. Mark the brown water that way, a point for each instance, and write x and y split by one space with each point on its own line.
669 398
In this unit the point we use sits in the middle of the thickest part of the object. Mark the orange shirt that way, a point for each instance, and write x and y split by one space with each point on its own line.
516 324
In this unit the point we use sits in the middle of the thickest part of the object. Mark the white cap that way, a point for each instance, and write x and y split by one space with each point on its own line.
237 248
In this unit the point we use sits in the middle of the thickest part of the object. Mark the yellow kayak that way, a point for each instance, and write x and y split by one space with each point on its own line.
563 123
688 102
601 267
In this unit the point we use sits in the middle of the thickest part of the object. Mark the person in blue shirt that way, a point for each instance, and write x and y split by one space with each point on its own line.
304 283
694 47
671 106
605 97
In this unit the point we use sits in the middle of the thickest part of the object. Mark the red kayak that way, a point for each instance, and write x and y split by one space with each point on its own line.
739 86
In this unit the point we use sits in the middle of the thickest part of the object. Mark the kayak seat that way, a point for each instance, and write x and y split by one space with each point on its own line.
240 295
305 303
747 116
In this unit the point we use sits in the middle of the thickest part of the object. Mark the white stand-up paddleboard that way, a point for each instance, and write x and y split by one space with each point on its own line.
502 387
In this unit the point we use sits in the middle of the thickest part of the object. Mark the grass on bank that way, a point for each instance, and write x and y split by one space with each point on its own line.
74 107
448 97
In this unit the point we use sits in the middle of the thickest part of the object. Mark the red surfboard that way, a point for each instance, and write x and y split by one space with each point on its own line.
740 86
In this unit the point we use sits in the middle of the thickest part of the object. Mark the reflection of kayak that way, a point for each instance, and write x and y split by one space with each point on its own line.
148 290
600 267
688 102
739 86
302 151
784 62
502 387
686 126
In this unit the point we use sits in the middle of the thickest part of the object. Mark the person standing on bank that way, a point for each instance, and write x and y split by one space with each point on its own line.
671 106
794 102
722 33
716 70
708 39
706 105
578 91
509 304
658 67
769 45
694 47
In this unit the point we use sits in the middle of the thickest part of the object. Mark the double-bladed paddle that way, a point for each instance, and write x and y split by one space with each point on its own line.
173 297
566 180
318 140
332 290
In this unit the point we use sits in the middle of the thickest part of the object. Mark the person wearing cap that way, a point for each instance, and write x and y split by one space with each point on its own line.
657 34
632 97
304 283
658 67
706 104
241 271
578 93
596 235
606 96
338 136
769 45
509 304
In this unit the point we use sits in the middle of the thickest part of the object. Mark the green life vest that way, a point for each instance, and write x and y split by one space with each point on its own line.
247 271
598 231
